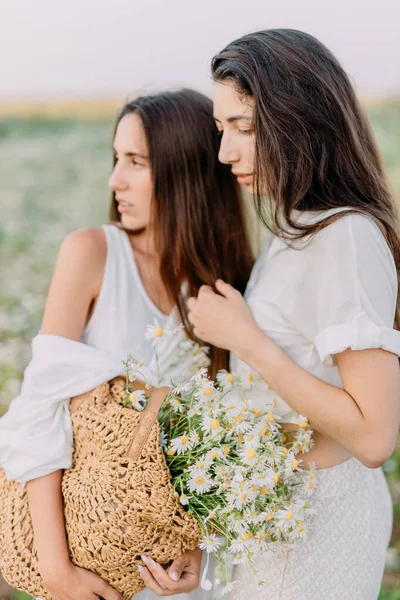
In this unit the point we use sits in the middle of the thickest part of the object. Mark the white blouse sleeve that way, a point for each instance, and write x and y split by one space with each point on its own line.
347 289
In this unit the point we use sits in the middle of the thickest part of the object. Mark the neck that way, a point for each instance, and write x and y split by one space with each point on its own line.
142 241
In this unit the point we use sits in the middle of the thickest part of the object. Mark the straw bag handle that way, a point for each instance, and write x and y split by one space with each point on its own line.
146 422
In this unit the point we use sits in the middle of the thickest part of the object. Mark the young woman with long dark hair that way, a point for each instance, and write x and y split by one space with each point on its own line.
177 222
318 325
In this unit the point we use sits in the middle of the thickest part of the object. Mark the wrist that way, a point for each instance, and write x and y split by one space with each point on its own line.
248 345
55 568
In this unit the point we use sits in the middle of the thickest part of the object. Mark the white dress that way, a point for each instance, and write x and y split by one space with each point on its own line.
314 301
119 321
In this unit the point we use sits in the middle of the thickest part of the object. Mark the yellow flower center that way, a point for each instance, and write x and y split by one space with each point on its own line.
263 490
207 391
248 535
133 397
243 497
230 377
295 464
285 451
214 424
158 332
250 377
284 438
276 478
303 424
263 431
271 417
213 454
196 437
240 437
289 516
231 405
312 475
184 440
242 484
257 412
226 450
300 530
310 485
269 517
171 452
199 479
250 453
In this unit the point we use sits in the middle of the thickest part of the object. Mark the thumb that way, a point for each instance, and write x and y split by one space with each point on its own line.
177 567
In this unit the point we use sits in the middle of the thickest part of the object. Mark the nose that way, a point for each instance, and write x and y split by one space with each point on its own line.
117 180
228 154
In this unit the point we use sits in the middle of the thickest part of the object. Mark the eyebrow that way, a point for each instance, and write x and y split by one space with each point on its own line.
132 154
236 118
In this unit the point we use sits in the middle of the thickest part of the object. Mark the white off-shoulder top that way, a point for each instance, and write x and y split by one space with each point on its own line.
317 297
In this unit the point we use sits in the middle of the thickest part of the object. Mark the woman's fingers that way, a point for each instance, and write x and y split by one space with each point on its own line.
150 582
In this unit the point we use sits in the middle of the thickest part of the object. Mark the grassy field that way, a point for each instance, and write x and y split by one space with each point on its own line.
53 174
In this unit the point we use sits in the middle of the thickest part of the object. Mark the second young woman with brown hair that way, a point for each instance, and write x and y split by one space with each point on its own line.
318 325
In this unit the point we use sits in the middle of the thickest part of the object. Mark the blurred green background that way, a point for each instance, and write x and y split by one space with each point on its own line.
53 173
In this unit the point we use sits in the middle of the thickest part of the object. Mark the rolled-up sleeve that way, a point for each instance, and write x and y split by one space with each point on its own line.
347 289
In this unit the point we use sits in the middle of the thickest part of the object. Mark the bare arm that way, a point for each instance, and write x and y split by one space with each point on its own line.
76 283
363 417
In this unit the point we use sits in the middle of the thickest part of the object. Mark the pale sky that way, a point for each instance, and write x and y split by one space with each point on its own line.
89 48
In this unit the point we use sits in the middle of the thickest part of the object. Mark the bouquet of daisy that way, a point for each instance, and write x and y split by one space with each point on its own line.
231 464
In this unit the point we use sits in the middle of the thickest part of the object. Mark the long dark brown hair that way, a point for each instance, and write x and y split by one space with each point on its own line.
200 225
314 149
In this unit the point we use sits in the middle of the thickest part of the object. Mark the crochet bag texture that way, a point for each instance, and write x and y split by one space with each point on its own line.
119 502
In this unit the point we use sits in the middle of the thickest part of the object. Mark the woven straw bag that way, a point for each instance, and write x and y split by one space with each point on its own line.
119 502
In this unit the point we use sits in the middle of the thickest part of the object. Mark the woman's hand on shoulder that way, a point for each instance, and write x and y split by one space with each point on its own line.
76 283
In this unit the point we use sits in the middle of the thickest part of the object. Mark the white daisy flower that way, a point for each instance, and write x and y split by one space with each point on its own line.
155 333
251 440
177 405
194 439
180 444
214 453
211 425
138 399
163 439
184 500
210 543
247 377
200 376
200 482
285 519
225 379
202 464
249 456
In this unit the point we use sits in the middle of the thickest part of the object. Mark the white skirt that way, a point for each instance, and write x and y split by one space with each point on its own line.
343 557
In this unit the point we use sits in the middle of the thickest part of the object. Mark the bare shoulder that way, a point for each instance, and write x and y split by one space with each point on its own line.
87 244
76 282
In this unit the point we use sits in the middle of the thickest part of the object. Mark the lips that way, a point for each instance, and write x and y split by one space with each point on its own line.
244 178
123 206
